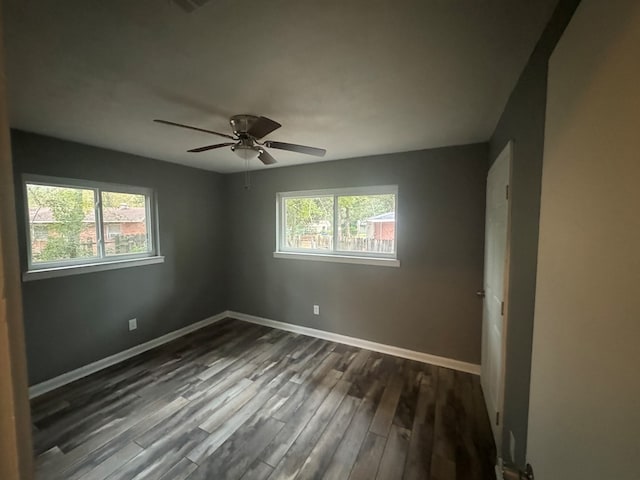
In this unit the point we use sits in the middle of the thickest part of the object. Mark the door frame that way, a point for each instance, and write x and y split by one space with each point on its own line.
497 428
16 454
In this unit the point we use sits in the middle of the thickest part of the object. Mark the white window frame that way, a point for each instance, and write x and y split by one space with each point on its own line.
335 255
42 270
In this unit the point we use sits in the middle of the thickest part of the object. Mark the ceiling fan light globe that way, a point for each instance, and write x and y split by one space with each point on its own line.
245 152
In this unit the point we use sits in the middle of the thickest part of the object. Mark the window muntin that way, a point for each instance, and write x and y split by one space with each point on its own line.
75 222
343 222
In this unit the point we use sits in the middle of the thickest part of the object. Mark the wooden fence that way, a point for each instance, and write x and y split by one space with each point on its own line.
352 244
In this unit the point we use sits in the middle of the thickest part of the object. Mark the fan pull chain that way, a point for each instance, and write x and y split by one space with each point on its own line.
247 175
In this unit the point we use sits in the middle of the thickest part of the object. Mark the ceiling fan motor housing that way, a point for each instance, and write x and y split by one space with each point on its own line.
240 124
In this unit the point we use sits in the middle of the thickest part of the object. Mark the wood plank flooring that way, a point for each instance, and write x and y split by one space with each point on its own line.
242 401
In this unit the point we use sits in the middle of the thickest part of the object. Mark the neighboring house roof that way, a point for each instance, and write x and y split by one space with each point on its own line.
124 215
383 217
111 215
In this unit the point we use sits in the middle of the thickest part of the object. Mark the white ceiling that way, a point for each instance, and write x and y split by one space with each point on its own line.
356 77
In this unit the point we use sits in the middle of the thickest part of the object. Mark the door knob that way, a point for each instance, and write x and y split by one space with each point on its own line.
480 293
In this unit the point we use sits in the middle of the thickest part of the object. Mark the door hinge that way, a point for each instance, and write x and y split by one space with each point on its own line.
502 309
507 193
497 418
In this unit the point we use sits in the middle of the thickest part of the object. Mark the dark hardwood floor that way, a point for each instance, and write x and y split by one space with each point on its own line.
241 401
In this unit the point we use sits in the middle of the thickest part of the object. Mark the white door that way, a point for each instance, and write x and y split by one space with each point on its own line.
584 409
496 253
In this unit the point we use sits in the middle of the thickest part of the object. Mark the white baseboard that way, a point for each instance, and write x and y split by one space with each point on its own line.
358 342
73 375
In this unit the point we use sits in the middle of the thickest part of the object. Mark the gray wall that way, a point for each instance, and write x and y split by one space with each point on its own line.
71 321
523 121
428 304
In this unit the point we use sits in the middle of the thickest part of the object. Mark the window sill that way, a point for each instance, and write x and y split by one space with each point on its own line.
88 268
321 257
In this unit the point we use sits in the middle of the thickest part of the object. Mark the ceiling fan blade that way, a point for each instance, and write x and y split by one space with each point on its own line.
166 122
262 127
266 158
210 147
292 147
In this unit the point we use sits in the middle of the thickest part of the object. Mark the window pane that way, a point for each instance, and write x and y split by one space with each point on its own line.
61 223
124 216
367 223
309 223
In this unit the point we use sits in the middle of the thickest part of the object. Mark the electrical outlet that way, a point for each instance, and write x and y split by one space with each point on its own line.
512 446
316 309
133 324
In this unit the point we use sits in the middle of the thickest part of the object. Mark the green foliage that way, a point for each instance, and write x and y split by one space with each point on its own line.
305 214
68 236
355 210
116 199
123 244
315 215
68 207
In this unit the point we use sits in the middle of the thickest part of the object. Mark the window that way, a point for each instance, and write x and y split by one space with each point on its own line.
342 224
113 230
72 223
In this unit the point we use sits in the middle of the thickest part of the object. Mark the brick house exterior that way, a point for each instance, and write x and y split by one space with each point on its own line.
120 223
382 227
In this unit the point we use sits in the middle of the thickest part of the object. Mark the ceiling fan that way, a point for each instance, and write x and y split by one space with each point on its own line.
247 132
